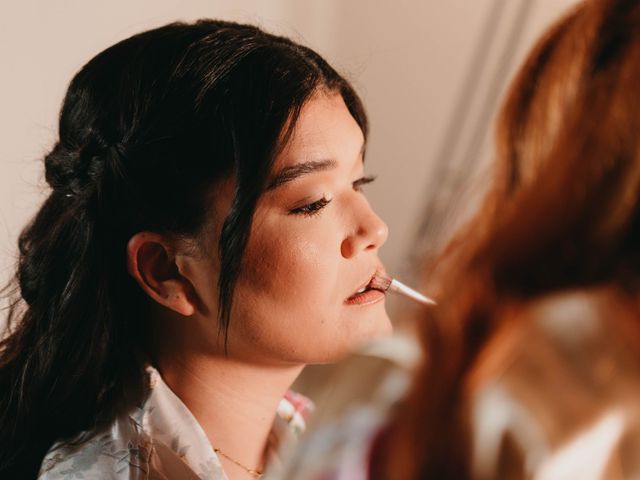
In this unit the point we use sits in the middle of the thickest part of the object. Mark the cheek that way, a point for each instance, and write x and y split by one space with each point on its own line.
287 267
288 299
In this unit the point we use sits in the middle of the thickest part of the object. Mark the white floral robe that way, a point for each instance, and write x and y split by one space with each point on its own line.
161 440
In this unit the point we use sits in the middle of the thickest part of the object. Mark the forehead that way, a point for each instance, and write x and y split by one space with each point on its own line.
325 129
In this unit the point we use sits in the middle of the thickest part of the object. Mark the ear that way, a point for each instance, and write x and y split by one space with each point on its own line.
151 262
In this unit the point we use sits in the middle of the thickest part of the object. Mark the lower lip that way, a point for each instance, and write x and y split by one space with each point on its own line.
365 298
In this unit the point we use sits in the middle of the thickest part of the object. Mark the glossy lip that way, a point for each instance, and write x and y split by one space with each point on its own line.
377 270
366 298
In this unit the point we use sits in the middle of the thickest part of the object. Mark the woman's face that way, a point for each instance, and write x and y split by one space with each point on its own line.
313 243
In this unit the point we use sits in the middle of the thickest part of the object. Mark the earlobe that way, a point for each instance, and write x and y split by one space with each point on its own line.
151 262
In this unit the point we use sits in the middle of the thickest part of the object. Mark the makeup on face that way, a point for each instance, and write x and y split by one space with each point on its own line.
365 294
313 244
379 284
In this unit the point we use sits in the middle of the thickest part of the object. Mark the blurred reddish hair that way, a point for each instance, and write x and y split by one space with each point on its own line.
563 213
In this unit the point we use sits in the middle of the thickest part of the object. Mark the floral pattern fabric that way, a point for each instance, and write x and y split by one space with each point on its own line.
160 440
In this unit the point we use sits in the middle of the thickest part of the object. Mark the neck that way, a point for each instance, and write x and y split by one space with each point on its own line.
234 402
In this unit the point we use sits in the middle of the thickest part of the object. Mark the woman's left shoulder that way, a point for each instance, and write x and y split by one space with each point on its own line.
557 388
576 327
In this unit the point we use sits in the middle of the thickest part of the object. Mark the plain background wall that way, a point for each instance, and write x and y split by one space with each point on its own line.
411 60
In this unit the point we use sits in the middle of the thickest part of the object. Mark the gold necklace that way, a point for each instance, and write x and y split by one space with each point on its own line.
255 473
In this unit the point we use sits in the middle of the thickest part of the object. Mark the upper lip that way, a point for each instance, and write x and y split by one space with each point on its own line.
366 282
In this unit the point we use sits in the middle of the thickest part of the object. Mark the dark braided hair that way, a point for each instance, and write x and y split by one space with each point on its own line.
147 129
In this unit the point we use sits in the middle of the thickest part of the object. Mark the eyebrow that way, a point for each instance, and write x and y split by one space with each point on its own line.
288 174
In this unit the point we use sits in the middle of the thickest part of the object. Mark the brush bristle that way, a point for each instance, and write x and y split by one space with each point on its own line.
380 282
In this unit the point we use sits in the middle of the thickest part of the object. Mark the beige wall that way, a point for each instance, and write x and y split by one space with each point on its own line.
408 58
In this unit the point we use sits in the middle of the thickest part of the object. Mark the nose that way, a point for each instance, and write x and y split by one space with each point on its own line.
369 232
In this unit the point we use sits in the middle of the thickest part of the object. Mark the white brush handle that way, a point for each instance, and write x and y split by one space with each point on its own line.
401 288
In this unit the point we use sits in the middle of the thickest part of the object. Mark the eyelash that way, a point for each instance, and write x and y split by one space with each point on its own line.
361 182
313 209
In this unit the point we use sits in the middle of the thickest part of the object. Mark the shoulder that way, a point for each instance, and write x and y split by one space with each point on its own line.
121 451
574 329
560 371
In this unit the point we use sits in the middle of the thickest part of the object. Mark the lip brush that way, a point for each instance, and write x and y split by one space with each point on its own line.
387 284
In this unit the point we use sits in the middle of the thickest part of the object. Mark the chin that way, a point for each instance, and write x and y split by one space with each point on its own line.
374 325
381 328
365 333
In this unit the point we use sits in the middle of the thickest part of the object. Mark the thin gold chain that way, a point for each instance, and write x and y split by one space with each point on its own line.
255 473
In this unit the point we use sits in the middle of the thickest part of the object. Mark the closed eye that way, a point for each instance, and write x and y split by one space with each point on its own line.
361 182
311 209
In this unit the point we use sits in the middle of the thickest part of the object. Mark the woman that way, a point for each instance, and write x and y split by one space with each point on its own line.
205 237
